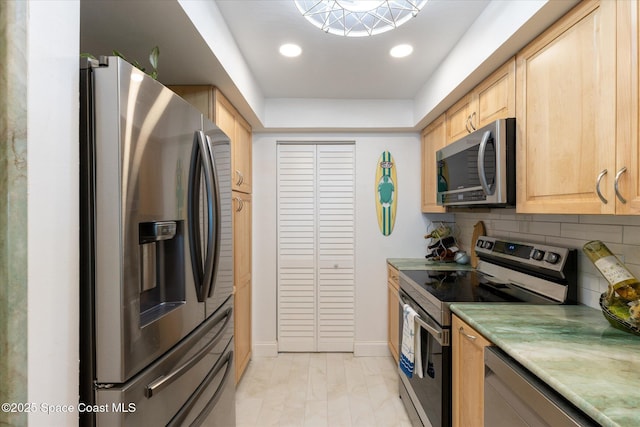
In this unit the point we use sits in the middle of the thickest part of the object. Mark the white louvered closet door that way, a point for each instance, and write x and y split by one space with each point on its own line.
316 199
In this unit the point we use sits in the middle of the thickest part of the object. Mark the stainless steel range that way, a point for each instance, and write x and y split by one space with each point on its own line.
508 271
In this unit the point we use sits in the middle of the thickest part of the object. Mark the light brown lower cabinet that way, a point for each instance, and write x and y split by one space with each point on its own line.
393 284
242 280
468 374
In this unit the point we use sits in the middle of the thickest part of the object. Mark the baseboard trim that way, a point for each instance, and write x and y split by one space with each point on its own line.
371 349
360 349
265 349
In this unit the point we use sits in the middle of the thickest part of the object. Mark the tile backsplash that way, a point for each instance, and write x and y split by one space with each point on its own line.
620 233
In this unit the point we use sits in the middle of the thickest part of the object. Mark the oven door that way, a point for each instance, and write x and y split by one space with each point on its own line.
430 396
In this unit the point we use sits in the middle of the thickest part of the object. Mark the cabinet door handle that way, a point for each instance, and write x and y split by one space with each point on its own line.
471 117
240 203
466 124
600 176
471 337
616 187
240 179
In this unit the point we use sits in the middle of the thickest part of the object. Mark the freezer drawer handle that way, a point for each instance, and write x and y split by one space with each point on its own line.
164 381
179 418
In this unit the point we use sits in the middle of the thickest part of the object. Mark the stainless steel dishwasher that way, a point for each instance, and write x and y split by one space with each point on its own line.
514 397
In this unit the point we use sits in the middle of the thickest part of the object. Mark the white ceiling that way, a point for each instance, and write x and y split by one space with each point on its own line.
339 67
233 44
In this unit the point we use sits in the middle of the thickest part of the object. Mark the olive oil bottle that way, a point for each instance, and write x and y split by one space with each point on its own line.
621 280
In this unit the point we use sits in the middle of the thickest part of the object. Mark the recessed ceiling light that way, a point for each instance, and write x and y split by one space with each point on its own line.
401 50
290 50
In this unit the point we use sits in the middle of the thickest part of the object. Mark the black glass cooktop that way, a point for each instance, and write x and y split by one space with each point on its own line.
470 286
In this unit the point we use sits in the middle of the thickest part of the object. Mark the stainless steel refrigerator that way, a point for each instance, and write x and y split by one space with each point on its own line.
156 308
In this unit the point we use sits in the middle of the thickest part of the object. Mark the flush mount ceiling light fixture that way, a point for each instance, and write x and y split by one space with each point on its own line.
290 50
401 51
358 18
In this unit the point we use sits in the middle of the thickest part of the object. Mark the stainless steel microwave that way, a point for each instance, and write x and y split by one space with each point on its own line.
480 168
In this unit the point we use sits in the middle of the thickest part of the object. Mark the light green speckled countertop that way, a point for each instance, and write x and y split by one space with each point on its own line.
573 349
424 264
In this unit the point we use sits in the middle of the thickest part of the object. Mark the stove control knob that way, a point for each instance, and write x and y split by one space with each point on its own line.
552 258
488 245
480 243
537 254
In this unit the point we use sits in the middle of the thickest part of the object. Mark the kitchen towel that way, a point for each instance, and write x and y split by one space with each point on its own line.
410 357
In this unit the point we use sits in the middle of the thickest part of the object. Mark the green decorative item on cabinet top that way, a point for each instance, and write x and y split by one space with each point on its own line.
154 55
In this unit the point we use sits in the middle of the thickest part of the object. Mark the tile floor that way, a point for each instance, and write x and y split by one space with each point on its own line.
320 389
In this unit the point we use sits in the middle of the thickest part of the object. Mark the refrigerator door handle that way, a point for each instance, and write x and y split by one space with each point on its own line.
179 418
166 380
202 267
216 206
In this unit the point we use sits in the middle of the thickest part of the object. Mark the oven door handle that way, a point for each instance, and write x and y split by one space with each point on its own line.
441 336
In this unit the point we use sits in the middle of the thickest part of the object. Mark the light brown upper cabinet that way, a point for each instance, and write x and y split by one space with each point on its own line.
237 128
627 191
433 137
211 102
566 114
492 99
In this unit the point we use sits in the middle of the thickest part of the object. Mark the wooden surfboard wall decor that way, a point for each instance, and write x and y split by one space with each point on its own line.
386 186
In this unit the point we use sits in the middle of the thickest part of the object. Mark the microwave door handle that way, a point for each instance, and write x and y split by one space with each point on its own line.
481 173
